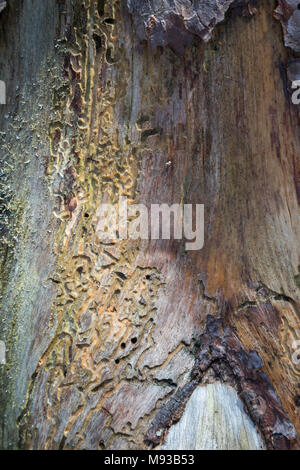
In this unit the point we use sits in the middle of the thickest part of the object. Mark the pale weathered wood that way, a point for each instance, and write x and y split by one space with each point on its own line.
214 419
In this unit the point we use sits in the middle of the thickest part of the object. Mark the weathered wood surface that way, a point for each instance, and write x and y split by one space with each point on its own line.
106 344
231 428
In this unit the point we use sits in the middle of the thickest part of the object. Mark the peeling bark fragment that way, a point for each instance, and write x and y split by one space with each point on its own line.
170 413
220 356
288 13
175 23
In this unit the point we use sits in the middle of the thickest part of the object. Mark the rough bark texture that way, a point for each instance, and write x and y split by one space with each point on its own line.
107 343
176 23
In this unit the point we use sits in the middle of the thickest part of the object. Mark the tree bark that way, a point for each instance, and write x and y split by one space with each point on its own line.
119 346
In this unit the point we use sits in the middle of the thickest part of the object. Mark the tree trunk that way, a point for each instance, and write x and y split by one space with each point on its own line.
144 344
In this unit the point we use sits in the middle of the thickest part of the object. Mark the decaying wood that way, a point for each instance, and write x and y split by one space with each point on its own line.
107 344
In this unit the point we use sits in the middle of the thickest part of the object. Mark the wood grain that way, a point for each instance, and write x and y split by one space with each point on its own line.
103 338
214 419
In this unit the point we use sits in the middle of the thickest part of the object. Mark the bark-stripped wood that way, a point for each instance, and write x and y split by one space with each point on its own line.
107 343
230 430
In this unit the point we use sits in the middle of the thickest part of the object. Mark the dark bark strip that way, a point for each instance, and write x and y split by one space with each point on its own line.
175 23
